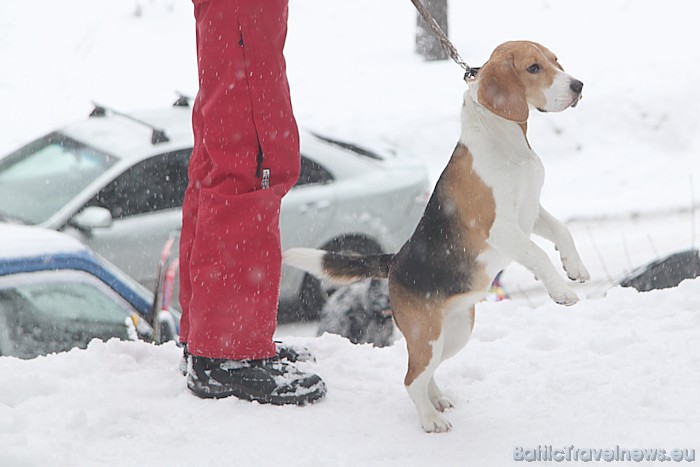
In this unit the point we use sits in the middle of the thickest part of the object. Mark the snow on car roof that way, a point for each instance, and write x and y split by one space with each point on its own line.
18 241
127 139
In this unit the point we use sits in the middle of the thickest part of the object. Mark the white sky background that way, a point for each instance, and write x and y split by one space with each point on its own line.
630 146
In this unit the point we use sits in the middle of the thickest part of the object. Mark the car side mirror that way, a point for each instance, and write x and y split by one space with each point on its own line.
92 217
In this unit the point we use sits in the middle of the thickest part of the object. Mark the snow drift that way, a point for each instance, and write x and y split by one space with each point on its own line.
620 371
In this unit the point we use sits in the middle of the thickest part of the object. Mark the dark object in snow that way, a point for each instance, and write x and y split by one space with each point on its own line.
360 312
268 381
664 273
427 44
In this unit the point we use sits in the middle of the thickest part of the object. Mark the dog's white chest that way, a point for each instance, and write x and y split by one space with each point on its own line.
505 162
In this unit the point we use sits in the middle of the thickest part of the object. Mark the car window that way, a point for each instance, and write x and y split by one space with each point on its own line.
47 312
155 184
40 178
312 172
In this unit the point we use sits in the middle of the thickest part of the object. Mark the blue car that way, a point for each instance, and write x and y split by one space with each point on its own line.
55 295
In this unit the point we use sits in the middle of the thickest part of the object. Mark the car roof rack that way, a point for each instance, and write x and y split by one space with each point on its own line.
158 136
183 100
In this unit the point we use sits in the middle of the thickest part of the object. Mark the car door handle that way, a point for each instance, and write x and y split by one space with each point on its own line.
315 206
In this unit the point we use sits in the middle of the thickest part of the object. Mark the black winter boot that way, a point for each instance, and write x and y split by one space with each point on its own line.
268 381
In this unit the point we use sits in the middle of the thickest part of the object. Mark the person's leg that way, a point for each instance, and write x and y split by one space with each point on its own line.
234 260
245 131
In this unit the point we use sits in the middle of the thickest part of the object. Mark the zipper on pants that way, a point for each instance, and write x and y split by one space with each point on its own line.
258 167
262 174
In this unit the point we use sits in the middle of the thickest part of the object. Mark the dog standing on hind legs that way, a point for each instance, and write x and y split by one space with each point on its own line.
483 211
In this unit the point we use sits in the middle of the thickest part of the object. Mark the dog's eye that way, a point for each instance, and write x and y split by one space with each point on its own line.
534 68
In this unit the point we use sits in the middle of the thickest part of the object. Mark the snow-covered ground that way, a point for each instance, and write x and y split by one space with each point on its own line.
623 370
616 372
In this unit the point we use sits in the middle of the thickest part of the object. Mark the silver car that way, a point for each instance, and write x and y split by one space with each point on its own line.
117 182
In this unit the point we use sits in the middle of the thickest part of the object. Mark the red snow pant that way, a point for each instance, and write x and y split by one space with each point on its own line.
246 157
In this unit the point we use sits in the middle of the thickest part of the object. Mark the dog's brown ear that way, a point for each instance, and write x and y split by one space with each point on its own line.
501 91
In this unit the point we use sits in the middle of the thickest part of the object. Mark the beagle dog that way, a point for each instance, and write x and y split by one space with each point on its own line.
483 211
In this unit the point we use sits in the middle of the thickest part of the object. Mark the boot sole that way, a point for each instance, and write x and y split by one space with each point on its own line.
316 393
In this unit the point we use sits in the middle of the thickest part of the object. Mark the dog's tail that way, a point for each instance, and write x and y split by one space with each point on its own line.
341 268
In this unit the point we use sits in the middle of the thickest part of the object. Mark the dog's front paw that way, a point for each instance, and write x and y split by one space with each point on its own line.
435 423
442 403
575 269
564 296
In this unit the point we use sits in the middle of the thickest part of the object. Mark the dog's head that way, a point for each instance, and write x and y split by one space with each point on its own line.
520 74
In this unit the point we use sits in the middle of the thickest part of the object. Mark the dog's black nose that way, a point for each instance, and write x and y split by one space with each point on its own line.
576 86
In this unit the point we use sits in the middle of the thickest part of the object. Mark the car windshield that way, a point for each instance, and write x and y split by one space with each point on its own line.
40 178
54 314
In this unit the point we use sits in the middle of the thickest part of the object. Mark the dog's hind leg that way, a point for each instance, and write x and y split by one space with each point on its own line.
439 400
419 384
421 322
459 322
457 330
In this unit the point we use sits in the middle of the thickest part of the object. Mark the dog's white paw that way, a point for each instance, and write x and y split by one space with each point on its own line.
576 270
435 423
442 403
564 296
